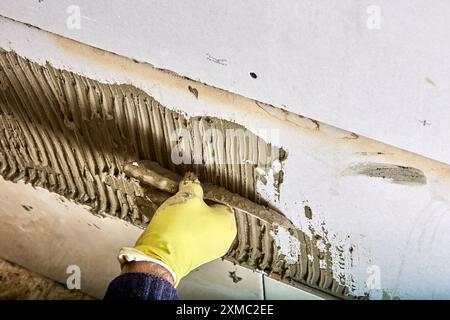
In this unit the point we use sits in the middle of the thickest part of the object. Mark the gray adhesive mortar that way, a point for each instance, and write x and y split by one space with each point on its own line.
73 135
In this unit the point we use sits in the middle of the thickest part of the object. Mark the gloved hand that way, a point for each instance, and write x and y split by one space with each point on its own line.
185 232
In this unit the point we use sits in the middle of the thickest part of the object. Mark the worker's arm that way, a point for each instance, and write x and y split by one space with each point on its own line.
184 233
141 280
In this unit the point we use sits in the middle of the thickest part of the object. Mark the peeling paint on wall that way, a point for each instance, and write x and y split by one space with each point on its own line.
288 245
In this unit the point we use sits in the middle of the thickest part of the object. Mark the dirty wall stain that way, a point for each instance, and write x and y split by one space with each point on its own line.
393 173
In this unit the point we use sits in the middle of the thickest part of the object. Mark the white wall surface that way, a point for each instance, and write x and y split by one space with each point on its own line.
315 58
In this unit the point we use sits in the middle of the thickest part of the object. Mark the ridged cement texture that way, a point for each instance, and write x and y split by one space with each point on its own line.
73 135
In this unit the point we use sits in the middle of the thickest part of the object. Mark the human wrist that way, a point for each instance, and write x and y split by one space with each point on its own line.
141 254
150 268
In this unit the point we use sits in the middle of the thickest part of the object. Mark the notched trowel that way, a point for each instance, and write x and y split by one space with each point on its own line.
152 174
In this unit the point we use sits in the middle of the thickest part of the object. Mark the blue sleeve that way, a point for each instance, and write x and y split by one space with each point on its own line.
140 286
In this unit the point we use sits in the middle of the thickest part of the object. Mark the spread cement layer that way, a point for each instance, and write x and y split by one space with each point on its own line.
73 135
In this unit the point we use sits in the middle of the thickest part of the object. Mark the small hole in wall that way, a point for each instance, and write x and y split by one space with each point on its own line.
253 75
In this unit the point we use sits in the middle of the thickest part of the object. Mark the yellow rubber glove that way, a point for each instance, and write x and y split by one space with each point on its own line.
185 232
